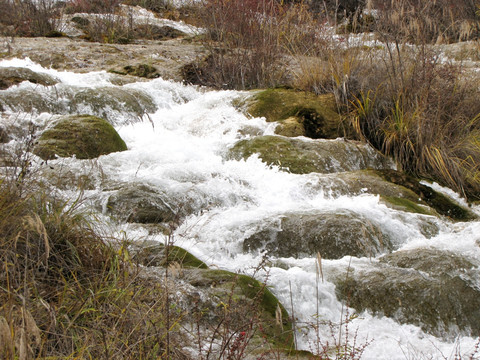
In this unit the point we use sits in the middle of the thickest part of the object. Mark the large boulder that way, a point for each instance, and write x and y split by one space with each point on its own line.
108 102
243 296
141 203
31 100
147 203
10 76
298 113
218 299
332 234
433 289
83 136
302 156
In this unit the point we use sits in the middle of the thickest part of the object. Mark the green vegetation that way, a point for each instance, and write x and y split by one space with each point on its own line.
406 205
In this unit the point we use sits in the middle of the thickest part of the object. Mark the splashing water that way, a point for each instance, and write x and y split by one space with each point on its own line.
182 149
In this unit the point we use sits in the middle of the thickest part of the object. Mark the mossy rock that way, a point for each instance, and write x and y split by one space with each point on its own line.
301 157
433 289
140 70
156 255
10 76
83 136
441 203
80 21
316 115
235 289
332 234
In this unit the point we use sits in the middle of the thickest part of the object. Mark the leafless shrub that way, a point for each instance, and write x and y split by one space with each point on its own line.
92 6
29 18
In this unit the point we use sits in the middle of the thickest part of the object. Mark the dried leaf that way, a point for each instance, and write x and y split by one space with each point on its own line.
22 345
278 315
31 327
6 340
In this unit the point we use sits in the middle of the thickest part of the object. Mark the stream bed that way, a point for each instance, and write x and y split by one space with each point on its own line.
246 216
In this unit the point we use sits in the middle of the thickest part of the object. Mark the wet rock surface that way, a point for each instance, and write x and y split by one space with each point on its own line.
113 103
10 76
333 235
141 203
433 289
302 156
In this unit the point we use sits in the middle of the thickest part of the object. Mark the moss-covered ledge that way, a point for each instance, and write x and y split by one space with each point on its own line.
441 203
276 325
299 113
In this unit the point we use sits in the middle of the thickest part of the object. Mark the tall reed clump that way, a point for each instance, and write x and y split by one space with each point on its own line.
400 93
428 21
417 107
65 291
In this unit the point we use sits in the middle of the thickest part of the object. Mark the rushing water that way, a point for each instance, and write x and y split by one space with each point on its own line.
181 149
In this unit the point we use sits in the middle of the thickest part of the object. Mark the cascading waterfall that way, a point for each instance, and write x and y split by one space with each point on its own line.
181 150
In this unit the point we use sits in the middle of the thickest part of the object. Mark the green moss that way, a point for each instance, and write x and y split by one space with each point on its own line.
153 254
184 258
317 113
406 205
140 70
246 286
301 157
290 127
275 150
84 136
441 203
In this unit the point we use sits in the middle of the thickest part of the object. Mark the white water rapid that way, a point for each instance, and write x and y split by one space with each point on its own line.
181 149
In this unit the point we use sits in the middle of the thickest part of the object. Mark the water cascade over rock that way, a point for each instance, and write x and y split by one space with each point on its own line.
399 257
